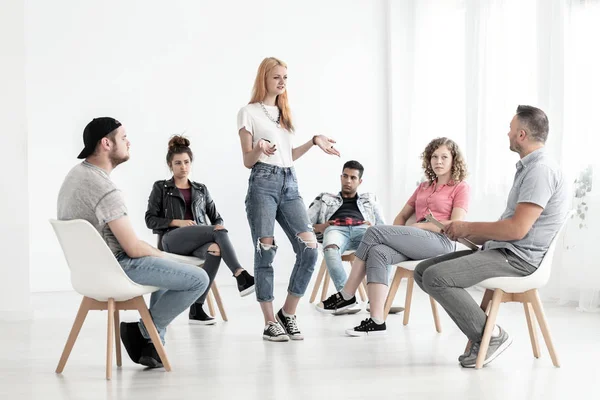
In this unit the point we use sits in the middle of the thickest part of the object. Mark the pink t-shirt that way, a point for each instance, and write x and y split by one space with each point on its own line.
441 201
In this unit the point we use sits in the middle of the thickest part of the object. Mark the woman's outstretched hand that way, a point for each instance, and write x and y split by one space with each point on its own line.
326 144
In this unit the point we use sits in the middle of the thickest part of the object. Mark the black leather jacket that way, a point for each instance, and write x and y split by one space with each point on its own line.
166 204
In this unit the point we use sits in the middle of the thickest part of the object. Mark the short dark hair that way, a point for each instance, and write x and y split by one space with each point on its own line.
354 165
535 121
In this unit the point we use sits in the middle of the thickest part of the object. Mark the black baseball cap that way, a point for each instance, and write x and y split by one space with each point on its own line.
94 131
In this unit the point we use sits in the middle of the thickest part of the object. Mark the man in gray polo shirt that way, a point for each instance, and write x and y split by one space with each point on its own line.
88 193
513 246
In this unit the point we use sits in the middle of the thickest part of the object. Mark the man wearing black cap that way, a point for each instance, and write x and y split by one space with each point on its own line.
88 193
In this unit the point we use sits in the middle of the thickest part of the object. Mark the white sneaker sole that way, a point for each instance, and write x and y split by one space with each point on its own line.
339 311
195 322
282 338
352 332
500 350
247 291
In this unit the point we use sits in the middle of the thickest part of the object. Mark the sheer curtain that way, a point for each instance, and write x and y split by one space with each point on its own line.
460 68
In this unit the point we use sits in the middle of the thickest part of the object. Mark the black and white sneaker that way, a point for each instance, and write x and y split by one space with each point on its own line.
275 333
245 283
290 325
199 317
368 327
336 305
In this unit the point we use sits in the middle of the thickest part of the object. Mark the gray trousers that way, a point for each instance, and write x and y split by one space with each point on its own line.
384 245
195 241
445 278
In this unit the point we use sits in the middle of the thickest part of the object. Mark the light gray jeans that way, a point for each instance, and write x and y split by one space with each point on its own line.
384 245
446 277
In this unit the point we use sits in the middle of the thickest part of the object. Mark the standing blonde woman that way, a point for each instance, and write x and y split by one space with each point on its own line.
266 135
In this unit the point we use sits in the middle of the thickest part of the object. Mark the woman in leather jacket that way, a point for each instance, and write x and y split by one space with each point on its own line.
187 222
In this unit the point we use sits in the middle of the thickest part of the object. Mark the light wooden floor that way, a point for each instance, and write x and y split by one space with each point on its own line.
231 361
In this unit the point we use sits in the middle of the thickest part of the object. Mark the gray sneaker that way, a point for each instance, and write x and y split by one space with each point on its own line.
497 346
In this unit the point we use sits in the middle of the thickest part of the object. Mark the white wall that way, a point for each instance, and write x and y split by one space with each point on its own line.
14 240
163 68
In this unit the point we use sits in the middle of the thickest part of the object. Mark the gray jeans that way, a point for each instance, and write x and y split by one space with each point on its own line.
446 277
384 245
195 241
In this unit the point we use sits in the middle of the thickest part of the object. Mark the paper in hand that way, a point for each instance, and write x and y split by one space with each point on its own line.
430 218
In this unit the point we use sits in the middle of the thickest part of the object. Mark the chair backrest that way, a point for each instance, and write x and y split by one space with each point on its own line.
95 271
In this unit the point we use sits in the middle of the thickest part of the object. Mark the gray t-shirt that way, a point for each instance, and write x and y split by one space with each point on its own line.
538 180
88 193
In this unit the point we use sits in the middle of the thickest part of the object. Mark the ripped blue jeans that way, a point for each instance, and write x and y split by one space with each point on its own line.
273 196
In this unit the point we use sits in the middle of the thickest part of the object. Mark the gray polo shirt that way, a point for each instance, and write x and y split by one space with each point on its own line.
89 193
538 180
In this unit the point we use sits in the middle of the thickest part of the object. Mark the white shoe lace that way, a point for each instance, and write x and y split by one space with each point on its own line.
275 329
292 326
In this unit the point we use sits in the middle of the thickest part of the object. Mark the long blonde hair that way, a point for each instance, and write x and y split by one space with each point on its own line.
259 91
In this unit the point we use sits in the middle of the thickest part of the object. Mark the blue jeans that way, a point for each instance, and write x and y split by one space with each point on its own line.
180 285
273 196
341 238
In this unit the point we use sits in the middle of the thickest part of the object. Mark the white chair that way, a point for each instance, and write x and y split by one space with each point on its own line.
214 290
521 290
324 277
98 277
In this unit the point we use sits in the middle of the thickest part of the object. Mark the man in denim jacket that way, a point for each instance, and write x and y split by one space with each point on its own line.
340 220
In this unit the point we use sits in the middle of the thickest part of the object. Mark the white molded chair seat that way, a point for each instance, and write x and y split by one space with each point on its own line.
97 275
214 290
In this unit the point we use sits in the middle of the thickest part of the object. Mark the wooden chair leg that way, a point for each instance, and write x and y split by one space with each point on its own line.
320 275
218 300
534 297
110 329
535 346
211 306
485 303
436 316
408 300
79 319
149 324
326 280
362 290
118 338
392 293
489 327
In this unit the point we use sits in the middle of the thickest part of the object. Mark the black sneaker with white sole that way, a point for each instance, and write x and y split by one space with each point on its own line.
245 283
367 327
273 332
290 326
199 317
336 305
497 345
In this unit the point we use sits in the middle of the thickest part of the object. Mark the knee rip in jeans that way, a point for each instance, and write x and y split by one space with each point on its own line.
308 239
262 245
331 247
214 250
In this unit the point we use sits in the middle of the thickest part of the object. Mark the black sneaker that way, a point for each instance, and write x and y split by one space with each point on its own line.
150 357
199 317
245 283
368 327
132 339
275 333
335 304
290 326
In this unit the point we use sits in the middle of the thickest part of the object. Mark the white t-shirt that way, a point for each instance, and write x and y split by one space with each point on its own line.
253 118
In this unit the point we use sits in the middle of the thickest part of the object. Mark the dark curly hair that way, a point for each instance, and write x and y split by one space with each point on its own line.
458 172
178 145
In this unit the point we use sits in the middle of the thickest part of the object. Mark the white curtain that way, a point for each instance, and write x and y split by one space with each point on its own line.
459 68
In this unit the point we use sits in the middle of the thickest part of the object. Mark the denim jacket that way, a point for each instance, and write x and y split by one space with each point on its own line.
326 204
166 203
